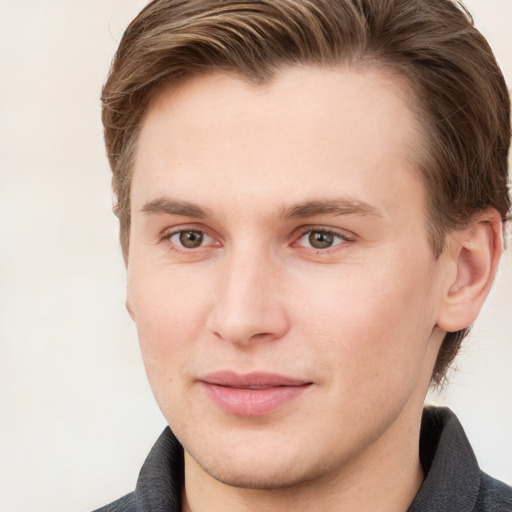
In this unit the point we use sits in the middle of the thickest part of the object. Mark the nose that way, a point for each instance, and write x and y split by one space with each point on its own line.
248 305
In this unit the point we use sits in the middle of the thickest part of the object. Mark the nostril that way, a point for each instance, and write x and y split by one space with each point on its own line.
261 335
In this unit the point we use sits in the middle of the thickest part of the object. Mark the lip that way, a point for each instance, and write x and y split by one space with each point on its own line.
252 394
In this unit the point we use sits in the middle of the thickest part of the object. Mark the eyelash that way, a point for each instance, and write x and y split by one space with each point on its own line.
168 234
344 238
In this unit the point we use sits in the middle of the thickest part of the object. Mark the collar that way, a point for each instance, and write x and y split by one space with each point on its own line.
452 475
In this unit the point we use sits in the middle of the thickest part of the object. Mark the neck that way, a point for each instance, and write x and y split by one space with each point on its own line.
384 478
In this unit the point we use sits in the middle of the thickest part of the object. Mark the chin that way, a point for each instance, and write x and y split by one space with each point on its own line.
256 474
256 462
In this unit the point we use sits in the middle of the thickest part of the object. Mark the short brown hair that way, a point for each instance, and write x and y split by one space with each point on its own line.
461 99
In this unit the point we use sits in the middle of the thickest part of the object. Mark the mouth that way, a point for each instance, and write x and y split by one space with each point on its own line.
253 394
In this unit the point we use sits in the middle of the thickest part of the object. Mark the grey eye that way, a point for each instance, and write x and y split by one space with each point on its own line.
321 239
189 239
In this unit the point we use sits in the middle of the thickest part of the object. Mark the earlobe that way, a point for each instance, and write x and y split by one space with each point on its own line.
475 251
129 308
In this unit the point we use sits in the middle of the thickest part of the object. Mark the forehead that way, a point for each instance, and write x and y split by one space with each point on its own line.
304 131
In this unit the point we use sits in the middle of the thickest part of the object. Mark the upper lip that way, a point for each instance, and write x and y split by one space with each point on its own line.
253 380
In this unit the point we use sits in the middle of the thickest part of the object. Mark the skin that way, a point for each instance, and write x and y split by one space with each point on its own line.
326 153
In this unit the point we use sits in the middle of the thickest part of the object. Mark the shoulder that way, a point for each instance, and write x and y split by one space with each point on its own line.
494 496
125 504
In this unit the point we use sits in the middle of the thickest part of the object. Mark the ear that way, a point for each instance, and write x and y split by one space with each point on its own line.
473 255
129 308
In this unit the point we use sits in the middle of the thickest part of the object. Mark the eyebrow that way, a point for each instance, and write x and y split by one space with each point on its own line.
340 206
172 207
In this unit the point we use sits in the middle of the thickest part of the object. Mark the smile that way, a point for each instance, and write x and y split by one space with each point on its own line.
254 394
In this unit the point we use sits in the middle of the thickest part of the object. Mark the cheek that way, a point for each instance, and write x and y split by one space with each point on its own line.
371 324
166 339
169 317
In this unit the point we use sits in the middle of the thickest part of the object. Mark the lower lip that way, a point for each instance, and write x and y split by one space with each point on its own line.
252 402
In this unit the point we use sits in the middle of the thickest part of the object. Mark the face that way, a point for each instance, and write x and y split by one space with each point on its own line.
279 273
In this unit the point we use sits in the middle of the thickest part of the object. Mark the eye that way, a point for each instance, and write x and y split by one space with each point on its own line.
320 239
189 239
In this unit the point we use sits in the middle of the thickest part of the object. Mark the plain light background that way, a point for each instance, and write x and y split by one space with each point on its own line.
77 417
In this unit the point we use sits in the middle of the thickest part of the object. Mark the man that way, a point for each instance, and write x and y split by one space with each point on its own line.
311 197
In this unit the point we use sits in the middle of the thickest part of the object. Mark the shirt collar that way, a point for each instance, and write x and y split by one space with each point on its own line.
452 476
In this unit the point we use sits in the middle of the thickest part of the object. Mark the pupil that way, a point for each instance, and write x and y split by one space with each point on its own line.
191 239
321 240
